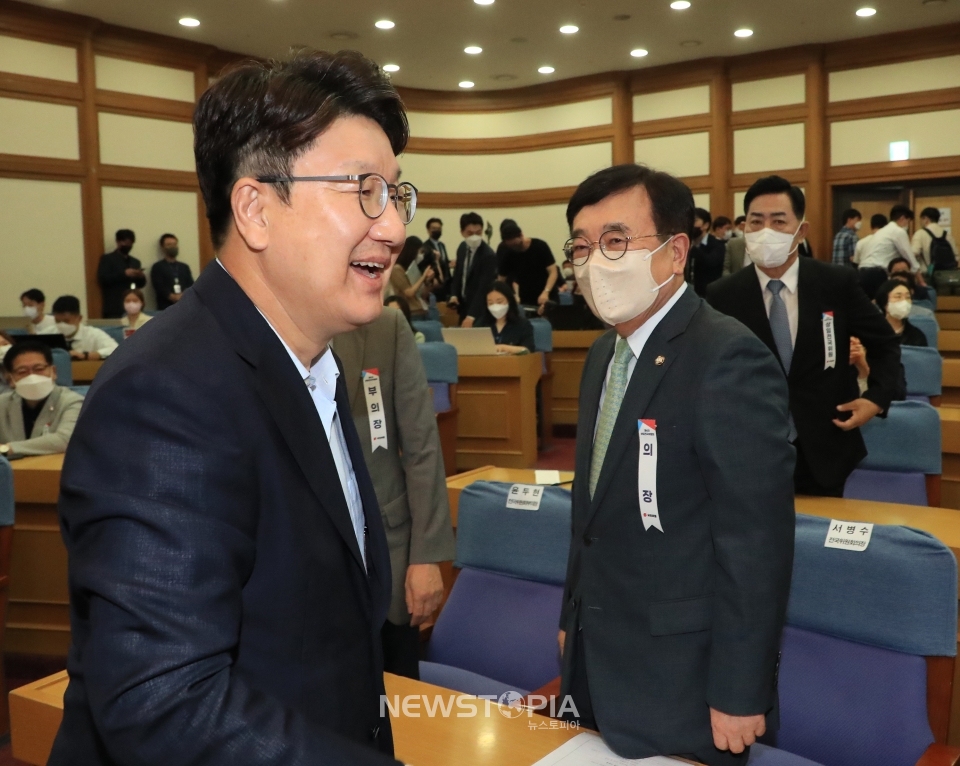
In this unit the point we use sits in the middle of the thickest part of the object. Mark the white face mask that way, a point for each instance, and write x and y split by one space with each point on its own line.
30 312
133 307
473 241
736 234
728 235
857 225
618 291
498 310
899 309
33 388
768 248
66 329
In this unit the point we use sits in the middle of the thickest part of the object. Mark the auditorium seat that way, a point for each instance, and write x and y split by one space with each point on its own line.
500 621
115 332
924 370
904 458
61 360
543 342
432 330
929 327
440 364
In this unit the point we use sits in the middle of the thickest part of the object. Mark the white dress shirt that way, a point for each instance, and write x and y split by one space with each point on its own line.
861 248
88 339
636 342
47 325
886 244
789 295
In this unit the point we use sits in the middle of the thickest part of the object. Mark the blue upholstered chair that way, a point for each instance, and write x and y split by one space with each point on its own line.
6 494
432 330
869 635
498 629
924 369
543 342
926 303
61 360
565 299
904 460
440 364
17 331
929 326
115 332
82 390
542 335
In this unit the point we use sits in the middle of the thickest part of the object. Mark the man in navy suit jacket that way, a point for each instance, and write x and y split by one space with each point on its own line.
229 573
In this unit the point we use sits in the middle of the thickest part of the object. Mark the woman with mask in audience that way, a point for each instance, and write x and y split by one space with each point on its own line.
133 316
893 299
512 333
400 283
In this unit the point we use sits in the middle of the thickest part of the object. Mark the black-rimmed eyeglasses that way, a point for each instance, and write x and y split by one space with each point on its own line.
613 244
373 191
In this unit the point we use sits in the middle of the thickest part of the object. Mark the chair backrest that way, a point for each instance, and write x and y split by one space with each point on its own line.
440 364
887 487
924 369
6 493
907 440
853 673
566 299
926 303
82 390
432 330
17 331
501 617
115 332
542 334
61 360
928 325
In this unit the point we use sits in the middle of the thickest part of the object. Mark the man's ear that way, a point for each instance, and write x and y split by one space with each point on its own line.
248 202
679 247
802 231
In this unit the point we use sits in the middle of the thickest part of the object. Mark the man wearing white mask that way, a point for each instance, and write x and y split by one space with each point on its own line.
38 416
681 547
476 268
34 303
806 312
85 342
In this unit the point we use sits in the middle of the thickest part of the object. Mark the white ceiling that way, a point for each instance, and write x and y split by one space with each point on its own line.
517 36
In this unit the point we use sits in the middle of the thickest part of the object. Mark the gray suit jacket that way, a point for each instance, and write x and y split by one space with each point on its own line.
408 476
735 257
53 428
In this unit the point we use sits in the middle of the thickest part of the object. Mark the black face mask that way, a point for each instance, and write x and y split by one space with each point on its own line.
125 249
435 234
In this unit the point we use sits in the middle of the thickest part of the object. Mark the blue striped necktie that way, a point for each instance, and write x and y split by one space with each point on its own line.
780 327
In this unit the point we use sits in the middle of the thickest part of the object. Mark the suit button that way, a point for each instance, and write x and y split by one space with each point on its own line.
374 732
587 540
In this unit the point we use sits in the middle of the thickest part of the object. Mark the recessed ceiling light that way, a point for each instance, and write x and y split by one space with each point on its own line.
569 29
864 12
483 2
546 70
391 68
186 21
744 33
465 84
639 53
384 24
680 5
473 50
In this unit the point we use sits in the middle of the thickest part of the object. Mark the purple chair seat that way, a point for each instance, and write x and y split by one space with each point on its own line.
764 755
464 681
886 487
441 396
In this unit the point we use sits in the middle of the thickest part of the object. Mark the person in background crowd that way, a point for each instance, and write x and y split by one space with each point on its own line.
169 276
6 343
408 477
722 228
900 269
929 230
738 225
845 242
877 222
400 282
34 303
133 316
885 245
441 260
735 254
119 271
38 416
893 299
85 342
528 265
476 268
399 302
512 333
568 282
705 261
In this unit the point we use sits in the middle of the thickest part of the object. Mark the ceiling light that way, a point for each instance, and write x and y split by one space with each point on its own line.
744 33
680 5
384 24
483 2
546 70
569 29
864 12
391 68
465 84
639 53
186 21
899 151
473 50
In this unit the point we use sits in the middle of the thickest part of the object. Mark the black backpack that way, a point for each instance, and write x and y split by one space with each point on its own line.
942 256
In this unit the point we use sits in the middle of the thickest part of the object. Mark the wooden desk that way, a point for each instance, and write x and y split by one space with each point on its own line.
569 352
456 484
38 616
84 371
497 422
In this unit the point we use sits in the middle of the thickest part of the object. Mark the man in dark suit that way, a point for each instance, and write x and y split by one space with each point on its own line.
440 260
682 547
229 573
118 272
806 312
475 271
707 250
408 475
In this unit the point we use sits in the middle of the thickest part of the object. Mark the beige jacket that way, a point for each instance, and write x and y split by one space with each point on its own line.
53 428
736 256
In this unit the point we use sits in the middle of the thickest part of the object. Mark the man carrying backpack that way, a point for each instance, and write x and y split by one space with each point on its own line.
932 244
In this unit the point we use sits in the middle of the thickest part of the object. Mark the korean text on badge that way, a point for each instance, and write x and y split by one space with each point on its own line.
848 535
525 497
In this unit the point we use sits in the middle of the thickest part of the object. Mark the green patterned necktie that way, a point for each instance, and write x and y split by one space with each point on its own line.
616 388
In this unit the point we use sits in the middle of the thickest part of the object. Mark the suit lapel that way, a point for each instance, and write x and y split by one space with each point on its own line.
591 386
808 348
350 348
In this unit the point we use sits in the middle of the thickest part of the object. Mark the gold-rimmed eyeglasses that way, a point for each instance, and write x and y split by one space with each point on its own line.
373 191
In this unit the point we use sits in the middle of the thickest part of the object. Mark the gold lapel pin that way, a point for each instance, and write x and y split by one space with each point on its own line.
659 361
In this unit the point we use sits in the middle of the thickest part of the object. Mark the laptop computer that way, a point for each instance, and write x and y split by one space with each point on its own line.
53 341
470 341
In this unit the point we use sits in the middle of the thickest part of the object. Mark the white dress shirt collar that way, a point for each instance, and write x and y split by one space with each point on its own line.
789 279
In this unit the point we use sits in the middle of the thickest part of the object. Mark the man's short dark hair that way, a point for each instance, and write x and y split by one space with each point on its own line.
900 211
168 236
22 347
850 214
720 221
670 198
899 259
259 118
125 235
702 214
776 185
509 229
35 295
434 220
932 214
878 221
66 304
469 219
739 219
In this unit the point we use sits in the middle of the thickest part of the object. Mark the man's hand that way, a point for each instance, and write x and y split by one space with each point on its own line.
132 273
76 355
468 322
735 732
862 409
561 639
174 297
543 298
424 587
453 302
920 280
858 358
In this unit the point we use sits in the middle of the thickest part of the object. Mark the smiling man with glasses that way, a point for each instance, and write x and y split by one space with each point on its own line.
228 565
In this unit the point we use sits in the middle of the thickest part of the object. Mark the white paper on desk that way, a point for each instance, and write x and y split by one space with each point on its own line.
546 477
589 750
